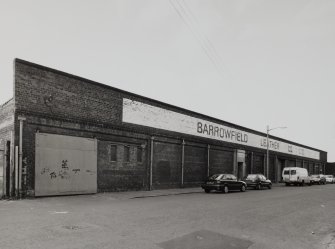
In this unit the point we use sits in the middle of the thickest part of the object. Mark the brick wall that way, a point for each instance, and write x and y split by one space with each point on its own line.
115 174
59 103
330 168
311 168
272 174
195 165
299 164
167 165
48 93
6 121
111 176
221 161
258 164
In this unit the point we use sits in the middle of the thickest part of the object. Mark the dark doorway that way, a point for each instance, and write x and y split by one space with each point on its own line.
280 167
240 170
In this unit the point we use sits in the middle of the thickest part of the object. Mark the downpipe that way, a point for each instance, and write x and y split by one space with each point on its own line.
19 173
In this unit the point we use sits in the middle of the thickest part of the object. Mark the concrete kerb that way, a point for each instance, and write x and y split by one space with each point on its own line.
162 192
153 193
144 194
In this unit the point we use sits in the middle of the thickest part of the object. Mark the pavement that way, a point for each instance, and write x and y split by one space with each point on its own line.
161 192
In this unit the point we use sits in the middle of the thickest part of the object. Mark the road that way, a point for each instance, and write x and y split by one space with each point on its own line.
283 217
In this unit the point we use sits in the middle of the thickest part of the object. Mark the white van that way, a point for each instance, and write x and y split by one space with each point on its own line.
296 176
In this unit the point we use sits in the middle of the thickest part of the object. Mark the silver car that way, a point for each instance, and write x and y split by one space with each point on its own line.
330 179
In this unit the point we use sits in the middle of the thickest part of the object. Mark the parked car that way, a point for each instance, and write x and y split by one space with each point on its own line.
296 176
224 183
318 179
330 179
257 181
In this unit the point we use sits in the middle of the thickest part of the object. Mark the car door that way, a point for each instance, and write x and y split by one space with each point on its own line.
263 180
258 179
235 185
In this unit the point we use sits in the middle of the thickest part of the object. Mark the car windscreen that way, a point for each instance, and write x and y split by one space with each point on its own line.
251 177
286 172
216 177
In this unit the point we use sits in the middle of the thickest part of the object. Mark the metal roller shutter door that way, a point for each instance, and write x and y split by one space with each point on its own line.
65 165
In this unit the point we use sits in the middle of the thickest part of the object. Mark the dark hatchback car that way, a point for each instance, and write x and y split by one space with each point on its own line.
257 181
224 183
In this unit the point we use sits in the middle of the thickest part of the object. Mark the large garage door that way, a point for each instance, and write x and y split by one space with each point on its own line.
65 165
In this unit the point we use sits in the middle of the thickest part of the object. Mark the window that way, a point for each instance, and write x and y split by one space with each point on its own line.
251 177
113 152
216 177
139 154
286 172
293 172
229 177
126 154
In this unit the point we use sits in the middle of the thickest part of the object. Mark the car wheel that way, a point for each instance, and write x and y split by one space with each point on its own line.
319 183
258 186
243 188
287 184
269 186
207 191
225 189
302 183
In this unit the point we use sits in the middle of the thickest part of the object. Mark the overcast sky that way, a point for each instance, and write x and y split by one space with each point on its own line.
253 63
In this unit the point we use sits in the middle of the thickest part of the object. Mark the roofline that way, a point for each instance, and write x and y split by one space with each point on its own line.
6 102
17 60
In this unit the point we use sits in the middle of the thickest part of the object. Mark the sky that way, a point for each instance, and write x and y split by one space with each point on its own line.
249 62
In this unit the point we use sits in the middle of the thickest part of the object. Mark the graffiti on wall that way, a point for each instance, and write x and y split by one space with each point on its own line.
64 171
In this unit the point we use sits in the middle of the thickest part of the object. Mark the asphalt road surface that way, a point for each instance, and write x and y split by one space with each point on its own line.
283 217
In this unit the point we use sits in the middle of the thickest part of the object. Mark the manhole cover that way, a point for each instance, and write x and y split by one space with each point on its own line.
206 240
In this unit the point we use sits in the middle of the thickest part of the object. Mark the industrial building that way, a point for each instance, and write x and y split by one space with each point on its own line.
61 134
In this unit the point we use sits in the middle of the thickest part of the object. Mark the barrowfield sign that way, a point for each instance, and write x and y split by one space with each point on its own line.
139 113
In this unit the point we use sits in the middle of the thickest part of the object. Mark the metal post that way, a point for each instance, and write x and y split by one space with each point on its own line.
235 163
21 119
267 151
252 162
208 148
151 161
12 165
16 172
276 169
182 162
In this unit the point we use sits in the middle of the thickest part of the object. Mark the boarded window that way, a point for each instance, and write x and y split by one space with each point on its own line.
126 154
113 152
139 154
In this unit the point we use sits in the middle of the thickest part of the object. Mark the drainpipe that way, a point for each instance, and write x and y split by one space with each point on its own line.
16 172
208 151
182 162
151 161
252 163
21 119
